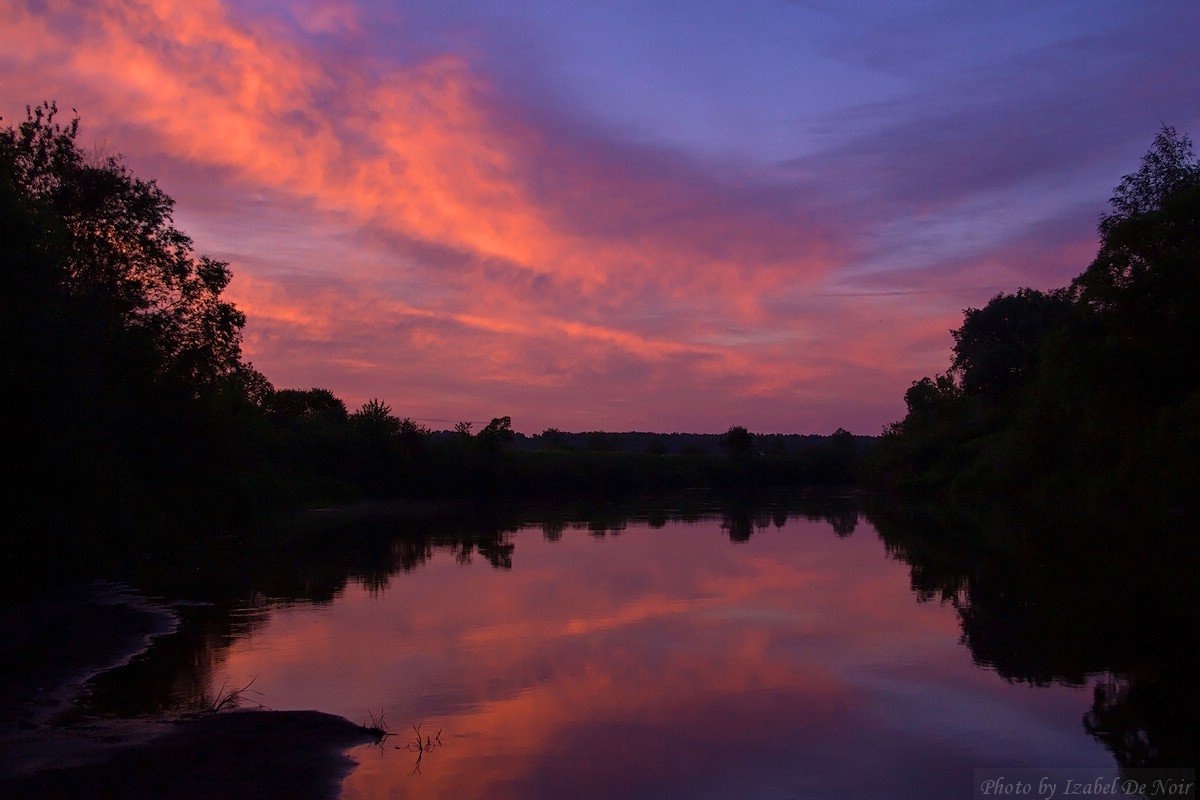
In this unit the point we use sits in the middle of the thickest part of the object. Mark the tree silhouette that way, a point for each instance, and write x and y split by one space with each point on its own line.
111 244
375 417
122 359
1143 288
496 434
1092 390
1168 168
314 403
737 441
996 348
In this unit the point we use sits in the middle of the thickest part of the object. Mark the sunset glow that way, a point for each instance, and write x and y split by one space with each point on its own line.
650 217
685 665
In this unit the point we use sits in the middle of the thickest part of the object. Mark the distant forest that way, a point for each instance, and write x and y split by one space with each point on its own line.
778 444
137 411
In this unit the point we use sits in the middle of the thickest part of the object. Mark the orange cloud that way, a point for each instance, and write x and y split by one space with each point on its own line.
412 148
489 267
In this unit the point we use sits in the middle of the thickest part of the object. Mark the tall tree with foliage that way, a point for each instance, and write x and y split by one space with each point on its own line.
1091 389
1143 288
996 349
117 337
108 239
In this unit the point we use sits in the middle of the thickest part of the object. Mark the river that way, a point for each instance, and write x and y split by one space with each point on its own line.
702 649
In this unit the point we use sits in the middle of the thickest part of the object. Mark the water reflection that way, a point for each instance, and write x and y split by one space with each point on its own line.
634 651
1049 601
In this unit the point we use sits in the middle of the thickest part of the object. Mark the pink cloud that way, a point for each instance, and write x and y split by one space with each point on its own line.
485 261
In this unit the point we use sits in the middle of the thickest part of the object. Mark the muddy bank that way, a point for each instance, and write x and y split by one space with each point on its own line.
52 645
236 754
49 747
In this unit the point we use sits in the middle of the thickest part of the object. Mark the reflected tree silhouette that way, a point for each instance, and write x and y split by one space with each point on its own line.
1037 609
739 525
1146 719
313 558
844 522
552 529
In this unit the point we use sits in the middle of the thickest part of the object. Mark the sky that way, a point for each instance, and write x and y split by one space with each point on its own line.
619 215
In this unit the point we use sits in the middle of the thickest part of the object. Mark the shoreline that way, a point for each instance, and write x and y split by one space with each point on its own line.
53 647
243 754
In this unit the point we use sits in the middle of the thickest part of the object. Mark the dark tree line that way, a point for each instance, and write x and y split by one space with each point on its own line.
133 409
1090 391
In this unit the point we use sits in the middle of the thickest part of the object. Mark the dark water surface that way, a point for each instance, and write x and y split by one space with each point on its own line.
715 653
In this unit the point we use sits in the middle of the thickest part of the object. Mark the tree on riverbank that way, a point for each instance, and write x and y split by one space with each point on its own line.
119 346
1090 390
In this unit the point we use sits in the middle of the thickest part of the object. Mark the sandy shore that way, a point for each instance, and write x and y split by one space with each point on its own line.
48 750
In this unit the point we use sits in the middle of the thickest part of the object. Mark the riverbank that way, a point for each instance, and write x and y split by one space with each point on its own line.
52 749
236 754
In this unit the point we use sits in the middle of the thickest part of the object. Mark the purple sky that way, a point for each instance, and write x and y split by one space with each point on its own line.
620 216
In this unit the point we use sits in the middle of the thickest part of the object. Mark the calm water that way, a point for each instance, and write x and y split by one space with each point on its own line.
769 655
